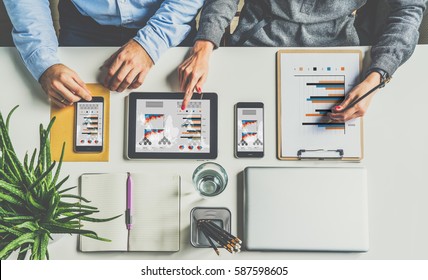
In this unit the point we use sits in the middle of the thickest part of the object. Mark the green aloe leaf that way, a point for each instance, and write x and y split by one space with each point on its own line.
76 197
6 177
64 205
53 206
29 225
35 204
33 158
58 169
61 183
97 237
42 176
10 115
23 251
11 199
11 230
4 135
11 164
13 189
18 219
70 230
98 220
16 243
66 190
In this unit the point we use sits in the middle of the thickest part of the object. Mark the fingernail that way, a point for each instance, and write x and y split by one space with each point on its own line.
183 107
338 107
199 89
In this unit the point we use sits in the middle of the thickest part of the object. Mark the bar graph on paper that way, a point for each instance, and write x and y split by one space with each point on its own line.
311 84
319 94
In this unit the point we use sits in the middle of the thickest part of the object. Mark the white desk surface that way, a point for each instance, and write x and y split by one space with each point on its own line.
395 134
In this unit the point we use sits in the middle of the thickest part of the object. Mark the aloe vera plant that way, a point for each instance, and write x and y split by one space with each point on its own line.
32 206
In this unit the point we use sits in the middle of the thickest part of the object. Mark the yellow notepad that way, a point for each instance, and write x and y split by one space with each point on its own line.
63 130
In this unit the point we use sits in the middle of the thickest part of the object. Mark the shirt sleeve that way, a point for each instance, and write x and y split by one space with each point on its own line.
400 36
33 34
216 15
168 27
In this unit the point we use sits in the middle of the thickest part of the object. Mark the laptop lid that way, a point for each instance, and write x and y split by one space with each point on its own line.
306 209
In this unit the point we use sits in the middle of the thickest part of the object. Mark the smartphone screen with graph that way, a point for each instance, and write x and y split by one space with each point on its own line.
249 131
89 124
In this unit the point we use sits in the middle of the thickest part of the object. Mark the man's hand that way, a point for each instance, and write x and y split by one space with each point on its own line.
63 86
338 113
193 72
127 68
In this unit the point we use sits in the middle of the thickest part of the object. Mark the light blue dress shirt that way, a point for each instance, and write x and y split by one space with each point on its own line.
163 24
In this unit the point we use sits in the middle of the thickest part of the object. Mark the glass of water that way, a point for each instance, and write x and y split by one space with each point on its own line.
209 179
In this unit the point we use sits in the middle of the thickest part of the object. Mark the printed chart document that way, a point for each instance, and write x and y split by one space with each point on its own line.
155 212
310 83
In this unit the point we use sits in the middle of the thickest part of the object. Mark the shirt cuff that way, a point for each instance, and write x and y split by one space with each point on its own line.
387 62
210 32
151 42
40 60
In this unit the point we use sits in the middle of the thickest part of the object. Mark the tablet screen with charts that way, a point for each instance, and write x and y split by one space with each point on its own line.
159 128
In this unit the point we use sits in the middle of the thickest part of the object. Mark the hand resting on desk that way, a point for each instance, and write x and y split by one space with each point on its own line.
127 68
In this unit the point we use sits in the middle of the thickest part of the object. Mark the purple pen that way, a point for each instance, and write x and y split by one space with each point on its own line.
128 220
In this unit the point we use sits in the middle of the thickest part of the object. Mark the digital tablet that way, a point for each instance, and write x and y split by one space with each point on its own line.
157 127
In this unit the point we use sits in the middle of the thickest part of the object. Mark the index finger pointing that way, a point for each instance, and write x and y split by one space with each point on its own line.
186 99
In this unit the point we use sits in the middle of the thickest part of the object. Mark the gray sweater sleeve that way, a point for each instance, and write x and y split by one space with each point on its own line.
400 36
216 15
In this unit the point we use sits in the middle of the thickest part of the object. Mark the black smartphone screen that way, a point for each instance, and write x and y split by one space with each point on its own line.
89 125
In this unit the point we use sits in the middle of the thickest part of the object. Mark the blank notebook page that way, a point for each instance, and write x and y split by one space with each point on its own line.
107 192
155 213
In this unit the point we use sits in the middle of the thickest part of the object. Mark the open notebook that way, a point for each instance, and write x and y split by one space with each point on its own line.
155 212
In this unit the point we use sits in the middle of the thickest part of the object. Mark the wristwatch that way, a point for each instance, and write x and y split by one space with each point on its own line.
384 76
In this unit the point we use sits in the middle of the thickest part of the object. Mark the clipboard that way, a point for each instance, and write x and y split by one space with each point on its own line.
309 83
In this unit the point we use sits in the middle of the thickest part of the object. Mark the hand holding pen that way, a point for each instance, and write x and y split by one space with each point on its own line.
358 100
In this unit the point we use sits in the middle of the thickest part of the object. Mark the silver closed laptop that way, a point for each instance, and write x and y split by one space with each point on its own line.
306 209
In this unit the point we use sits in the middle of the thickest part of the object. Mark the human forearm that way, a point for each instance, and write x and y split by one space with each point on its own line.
168 27
216 15
400 36
33 34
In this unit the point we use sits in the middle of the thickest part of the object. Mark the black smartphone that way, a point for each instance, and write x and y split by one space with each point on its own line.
89 125
249 129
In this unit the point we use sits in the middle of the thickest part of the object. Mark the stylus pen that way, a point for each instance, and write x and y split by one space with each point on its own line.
128 220
352 104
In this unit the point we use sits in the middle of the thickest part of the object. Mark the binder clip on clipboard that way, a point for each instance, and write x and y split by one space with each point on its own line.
320 154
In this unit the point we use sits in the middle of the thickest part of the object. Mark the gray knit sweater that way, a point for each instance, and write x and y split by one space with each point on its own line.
314 23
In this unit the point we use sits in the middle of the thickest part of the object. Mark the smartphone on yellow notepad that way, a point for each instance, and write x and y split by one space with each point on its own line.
89 125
